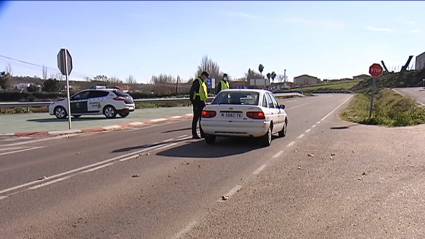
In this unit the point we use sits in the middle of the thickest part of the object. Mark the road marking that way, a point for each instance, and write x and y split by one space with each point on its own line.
318 122
185 230
10 148
290 144
22 150
41 140
299 106
326 116
261 168
158 120
233 190
313 126
96 168
302 135
185 135
289 101
16 138
168 140
308 130
111 127
48 183
277 154
3 197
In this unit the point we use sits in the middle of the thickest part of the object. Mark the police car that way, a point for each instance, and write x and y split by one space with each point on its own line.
108 102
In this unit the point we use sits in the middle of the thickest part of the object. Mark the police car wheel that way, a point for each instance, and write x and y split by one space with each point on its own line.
110 112
60 112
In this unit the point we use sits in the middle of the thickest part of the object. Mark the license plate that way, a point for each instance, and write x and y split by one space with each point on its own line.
232 115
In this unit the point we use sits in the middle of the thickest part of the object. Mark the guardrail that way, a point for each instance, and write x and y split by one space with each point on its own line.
157 100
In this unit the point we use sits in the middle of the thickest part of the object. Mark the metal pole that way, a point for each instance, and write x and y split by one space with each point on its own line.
67 90
371 98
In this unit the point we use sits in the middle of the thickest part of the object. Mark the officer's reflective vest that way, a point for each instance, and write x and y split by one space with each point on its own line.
203 92
224 85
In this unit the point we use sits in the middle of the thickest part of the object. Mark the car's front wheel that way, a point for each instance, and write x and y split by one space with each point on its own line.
60 112
210 139
110 112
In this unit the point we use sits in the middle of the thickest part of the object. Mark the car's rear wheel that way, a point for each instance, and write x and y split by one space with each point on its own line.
210 139
266 140
123 115
110 112
60 112
282 133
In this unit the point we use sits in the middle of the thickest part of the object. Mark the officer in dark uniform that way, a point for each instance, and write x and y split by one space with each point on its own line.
198 94
223 84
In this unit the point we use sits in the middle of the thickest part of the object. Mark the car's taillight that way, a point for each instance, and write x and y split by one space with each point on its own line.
120 98
208 114
255 115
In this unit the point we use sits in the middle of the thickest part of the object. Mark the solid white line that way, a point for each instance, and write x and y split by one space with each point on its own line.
289 101
22 150
277 154
96 168
298 106
112 127
302 135
233 190
185 135
185 230
313 126
335 108
48 183
167 146
260 169
290 144
158 120
136 123
168 140
308 130
3 197
10 148
40 140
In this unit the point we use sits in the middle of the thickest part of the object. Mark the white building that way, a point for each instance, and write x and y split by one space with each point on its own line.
21 86
304 80
420 62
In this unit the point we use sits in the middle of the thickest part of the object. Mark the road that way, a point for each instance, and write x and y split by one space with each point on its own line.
151 182
417 93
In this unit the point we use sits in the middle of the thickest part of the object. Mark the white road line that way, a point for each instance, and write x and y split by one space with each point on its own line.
167 146
158 120
185 135
326 116
185 230
261 168
318 122
302 135
233 190
22 150
308 130
10 148
290 144
48 183
3 197
313 126
41 140
299 106
289 101
168 140
277 154
96 168
15 139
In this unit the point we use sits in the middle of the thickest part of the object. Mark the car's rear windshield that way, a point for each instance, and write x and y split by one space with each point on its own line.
236 98
121 93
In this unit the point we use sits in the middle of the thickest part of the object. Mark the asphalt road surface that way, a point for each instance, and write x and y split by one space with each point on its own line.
417 93
151 182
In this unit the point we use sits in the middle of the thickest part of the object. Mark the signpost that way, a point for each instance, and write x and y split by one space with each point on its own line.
65 67
375 70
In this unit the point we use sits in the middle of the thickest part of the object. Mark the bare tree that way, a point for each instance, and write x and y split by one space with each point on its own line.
44 69
114 80
280 78
251 74
130 80
163 79
210 66
9 70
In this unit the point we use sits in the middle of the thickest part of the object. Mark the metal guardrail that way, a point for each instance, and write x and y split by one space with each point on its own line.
157 100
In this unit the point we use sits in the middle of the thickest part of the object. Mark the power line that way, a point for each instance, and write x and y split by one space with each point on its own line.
41 66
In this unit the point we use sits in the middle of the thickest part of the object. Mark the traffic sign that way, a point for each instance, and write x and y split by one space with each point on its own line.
209 83
376 70
64 61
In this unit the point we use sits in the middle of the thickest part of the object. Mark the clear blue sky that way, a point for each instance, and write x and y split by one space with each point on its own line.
324 39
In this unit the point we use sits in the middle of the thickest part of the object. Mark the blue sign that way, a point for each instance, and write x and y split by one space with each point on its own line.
209 83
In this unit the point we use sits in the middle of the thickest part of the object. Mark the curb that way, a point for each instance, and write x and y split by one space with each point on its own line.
99 129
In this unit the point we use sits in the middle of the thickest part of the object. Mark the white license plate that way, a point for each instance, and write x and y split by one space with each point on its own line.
232 115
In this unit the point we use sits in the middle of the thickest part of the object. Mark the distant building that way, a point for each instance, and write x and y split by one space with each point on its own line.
420 62
361 77
305 79
21 86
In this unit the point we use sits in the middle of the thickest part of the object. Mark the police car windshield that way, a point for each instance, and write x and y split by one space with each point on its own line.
236 98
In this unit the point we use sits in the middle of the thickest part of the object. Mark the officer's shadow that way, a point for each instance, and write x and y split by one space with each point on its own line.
223 147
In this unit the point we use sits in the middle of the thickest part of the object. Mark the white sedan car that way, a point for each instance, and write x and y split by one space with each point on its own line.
244 113
108 102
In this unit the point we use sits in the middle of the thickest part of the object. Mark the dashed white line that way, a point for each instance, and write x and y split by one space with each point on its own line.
277 154
168 140
308 130
185 230
313 126
40 140
48 183
233 190
318 122
302 135
3 197
290 144
185 135
18 151
96 168
261 168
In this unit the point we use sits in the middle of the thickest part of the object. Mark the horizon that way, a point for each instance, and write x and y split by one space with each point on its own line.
322 39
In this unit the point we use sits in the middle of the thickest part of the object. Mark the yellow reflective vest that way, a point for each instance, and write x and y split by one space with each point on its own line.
203 91
224 85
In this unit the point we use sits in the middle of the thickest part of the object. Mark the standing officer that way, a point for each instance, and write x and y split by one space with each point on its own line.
223 84
198 95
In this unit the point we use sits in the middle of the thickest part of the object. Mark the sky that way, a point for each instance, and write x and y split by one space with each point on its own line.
329 40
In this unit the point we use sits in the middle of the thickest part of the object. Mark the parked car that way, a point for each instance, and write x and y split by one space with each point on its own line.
244 113
108 102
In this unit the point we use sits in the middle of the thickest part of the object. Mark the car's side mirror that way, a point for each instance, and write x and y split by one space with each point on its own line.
282 107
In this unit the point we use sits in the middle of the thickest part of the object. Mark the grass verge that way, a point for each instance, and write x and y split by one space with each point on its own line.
343 85
390 109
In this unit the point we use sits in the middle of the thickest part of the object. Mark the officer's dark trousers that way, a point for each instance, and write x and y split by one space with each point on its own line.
197 112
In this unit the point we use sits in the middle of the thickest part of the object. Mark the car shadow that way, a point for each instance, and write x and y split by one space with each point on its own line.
223 147
50 120
176 130
145 146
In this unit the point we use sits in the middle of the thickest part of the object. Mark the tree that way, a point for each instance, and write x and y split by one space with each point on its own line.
130 80
44 71
251 74
114 80
4 80
163 79
58 76
273 75
209 66
9 69
100 78
32 88
51 85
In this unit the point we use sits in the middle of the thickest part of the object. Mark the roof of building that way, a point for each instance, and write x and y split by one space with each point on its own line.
305 75
421 55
